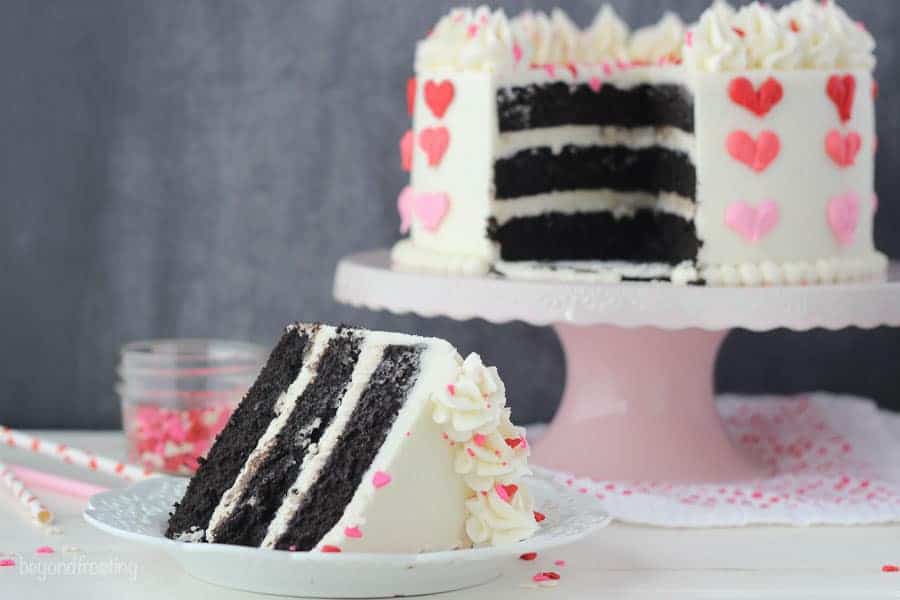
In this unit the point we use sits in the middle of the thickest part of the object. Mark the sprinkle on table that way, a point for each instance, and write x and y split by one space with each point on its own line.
890 569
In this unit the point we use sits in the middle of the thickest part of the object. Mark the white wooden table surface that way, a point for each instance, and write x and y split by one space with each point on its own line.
621 562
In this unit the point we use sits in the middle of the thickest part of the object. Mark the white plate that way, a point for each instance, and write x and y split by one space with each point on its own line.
140 513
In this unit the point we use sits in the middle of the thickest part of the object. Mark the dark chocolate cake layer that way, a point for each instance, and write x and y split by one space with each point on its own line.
240 436
355 450
648 236
540 170
559 103
277 472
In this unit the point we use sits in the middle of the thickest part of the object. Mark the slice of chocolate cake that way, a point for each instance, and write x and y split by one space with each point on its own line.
355 440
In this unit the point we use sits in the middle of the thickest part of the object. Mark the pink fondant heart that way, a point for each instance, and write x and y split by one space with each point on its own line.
841 90
752 223
406 202
843 149
353 532
843 217
757 154
439 96
431 208
758 101
406 150
380 479
434 141
595 83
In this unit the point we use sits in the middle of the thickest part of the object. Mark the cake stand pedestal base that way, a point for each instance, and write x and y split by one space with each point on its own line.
639 405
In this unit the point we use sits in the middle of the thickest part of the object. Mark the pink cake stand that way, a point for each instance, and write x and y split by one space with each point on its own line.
638 402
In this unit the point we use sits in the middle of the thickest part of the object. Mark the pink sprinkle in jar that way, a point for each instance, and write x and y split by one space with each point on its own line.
177 395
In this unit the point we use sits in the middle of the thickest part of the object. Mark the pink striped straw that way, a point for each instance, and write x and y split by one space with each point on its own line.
72 456
56 483
38 511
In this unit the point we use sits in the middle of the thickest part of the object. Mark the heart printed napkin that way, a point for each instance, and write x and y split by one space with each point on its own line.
836 461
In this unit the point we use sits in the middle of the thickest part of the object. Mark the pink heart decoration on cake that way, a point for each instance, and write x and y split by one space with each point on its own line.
439 96
406 150
406 202
380 479
752 223
843 149
595 83
757 154
758 101
353 532
841 90
431 208
843 217
434 141
410 95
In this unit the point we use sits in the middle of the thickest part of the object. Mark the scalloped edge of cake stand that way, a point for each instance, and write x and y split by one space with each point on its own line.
366 280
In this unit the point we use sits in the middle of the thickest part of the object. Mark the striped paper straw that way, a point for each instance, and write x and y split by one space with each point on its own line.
38 511
72 456
56 483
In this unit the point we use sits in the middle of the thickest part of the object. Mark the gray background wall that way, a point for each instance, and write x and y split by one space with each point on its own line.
197 168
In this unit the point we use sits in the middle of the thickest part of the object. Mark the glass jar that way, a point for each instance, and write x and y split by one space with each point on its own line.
177 395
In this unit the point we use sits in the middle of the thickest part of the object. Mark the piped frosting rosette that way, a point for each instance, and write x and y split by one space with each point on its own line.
806 34
490 454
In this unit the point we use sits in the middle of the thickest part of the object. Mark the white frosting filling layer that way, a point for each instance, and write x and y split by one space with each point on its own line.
620 204
556 138
316 457
284 406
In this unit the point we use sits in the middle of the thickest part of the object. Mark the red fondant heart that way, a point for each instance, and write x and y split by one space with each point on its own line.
434 141
410 95
758 101
843 149
438 96
757 154
841 90
406 150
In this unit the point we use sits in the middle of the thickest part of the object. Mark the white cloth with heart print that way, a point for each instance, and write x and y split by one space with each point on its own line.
836 462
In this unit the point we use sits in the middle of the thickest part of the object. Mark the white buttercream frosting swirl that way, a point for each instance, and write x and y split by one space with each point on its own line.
659 42
490 453
606 39
807 34
469 39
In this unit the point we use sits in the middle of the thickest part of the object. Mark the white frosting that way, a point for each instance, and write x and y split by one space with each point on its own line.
819 272
472 411
769 45
658 43
406 255
556 138
714 45
620 204
471 39
807 34
598 271
553 39
605 40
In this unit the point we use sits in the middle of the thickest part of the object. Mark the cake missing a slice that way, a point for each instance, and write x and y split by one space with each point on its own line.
363 441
